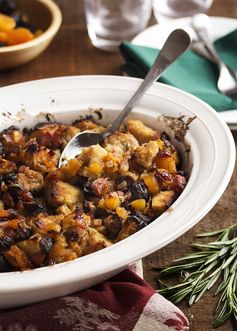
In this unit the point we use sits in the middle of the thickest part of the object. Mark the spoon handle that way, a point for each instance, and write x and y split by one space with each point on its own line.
175 45
199 23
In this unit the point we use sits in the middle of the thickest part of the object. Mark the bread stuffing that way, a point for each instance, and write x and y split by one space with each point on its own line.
110 191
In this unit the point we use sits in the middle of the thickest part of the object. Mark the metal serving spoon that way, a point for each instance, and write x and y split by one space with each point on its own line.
175 45
226 83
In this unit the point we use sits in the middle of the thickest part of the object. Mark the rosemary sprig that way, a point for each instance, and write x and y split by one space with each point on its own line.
200 270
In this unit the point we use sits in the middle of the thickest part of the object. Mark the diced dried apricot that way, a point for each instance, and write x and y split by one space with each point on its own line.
18 36
74 166
6 23
111 163
96 168
112 201
139 204
152 184
121 212
166 162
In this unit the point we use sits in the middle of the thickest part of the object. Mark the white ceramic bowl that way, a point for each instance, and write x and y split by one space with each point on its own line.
212 154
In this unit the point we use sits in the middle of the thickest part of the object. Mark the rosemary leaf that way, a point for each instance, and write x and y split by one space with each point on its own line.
223 251
193 256
230 259
213 280
210 234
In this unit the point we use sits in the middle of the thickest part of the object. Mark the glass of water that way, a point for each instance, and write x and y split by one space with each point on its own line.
109 22
169 9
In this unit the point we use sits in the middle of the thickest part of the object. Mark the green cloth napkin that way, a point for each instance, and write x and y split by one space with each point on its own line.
191 72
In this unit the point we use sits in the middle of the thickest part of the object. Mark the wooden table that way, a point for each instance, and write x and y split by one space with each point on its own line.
71 53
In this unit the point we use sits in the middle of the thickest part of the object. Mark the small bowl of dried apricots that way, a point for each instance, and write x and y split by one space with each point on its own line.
26 29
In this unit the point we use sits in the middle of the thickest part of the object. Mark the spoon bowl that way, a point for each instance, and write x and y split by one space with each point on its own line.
75 145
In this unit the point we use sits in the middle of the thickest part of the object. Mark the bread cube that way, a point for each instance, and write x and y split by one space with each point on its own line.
60 193
39 158
88 125
30 180
6 166
141 132
120 143
93 241
145 154
162 201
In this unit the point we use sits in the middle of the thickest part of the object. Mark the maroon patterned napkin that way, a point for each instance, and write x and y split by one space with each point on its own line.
125 302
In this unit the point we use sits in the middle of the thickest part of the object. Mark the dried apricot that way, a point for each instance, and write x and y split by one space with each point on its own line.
18 36
3 36
6 23
166 161
152 184
138 204
112 201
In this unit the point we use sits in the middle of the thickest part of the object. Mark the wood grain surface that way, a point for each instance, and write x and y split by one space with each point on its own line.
71 53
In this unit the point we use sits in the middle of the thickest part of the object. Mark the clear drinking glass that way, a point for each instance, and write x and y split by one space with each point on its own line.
109 22
170 9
